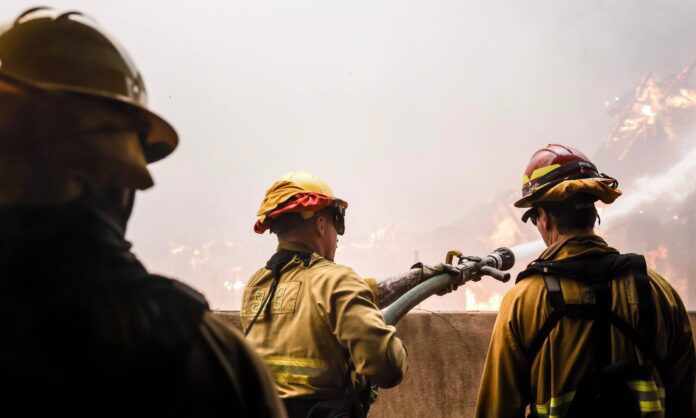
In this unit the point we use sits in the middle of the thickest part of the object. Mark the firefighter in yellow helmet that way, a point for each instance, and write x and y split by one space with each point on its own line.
86 330
316 322
586 331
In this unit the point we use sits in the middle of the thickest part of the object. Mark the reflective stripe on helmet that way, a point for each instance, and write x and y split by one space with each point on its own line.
539 172
550 175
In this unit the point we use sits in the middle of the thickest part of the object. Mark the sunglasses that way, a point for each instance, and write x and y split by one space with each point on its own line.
531 214
339 219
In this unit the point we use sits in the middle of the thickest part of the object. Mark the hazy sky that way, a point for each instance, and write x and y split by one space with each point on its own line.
413 111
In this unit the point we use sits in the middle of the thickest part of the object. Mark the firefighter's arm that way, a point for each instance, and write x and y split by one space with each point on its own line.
350 309
238 369
505 381
388 290
680 362
681 372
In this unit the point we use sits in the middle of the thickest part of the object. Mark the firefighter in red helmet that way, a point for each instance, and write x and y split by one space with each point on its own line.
586 331
86 329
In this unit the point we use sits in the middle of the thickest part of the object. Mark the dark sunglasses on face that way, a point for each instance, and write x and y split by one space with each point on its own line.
339 219
531 214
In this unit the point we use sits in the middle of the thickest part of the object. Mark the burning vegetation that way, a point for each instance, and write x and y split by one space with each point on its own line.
653 112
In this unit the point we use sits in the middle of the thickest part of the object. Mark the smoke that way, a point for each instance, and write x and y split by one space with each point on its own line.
675 184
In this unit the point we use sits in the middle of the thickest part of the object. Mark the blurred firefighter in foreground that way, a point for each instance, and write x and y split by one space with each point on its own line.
586 331
86 330
316 323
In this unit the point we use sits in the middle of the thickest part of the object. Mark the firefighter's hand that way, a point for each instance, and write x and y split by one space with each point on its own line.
429 271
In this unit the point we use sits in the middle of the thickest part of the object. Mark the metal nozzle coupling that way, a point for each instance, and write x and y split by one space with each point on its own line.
501 259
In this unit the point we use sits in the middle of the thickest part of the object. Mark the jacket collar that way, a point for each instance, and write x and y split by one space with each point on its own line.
576 246
299 247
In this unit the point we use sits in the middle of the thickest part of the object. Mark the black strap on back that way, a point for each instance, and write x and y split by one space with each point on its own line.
598 272
276 264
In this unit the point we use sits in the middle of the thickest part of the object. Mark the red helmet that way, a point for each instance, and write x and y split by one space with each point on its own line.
555 164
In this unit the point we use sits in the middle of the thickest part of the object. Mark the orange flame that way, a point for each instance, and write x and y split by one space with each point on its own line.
652 109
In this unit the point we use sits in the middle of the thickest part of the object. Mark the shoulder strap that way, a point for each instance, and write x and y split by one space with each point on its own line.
276 263
646 307
555 298
601 309
644 337
589 268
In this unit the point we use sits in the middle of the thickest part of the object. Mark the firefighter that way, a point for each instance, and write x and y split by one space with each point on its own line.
317 323
586 331
86 330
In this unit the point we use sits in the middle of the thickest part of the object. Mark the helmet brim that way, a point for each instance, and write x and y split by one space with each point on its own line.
603 188
159 138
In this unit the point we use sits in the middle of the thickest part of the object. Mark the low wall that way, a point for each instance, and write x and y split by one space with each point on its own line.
446 352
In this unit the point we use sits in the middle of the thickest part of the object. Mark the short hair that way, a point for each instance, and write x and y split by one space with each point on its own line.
578 212
292 220
286 222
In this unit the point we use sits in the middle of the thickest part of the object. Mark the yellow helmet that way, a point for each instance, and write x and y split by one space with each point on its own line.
295 192
61 79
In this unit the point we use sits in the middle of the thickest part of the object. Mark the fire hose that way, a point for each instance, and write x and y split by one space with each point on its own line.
472 269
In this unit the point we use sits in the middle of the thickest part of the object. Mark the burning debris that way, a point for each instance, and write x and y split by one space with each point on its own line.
652 116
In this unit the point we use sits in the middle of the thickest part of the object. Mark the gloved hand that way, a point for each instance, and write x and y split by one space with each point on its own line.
429 271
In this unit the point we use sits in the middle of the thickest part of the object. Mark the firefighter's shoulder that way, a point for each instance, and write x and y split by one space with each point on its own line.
523 307
179 290
330 276
526 291
666 294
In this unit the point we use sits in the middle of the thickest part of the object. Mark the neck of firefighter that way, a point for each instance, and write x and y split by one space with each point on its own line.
548 229
317 233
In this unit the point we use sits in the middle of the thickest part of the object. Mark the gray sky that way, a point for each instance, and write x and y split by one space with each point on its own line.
414 111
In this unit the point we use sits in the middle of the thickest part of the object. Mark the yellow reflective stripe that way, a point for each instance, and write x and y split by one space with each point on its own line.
291 378
295 362
643 385
650 406
295 369
555 403
562 399
648 389
542 171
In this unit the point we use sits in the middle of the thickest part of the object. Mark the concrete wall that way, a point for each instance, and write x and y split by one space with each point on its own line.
446 354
